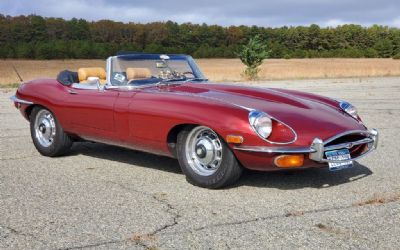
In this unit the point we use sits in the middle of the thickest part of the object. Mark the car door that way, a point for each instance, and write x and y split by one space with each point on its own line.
91 111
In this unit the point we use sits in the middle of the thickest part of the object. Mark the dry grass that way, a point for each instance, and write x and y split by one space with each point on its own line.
140 238
278 69
144 240
32 69
378 199
222 69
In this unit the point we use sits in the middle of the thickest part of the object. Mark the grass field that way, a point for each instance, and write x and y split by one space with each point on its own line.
221 69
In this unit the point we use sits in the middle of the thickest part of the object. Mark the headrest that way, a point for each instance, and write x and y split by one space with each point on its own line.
138 73
84 73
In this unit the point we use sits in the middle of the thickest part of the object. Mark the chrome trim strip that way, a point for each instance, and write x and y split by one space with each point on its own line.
84 86
362 132
258 149
349 144
127 87
17 100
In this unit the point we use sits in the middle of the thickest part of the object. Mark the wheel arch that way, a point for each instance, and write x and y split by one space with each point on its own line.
172 136
29 109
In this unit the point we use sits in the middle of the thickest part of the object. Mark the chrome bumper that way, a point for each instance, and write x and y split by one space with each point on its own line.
318 147
17 100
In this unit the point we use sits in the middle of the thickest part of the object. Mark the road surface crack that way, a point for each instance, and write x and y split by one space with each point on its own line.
19 233
144 239
105 243
300 213
234 223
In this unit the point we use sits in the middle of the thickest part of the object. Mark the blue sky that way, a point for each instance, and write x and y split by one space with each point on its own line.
235 12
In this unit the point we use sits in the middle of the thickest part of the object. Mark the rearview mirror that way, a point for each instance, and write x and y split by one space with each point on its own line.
164 57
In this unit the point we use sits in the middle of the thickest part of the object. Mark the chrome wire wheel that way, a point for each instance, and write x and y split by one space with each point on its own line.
203 151
45 128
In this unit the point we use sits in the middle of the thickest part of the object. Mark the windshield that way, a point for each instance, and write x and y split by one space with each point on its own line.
150 69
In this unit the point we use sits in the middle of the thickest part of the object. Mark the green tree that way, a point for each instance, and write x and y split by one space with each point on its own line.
370 53
252 55
384 48
41 37
23 50
38 28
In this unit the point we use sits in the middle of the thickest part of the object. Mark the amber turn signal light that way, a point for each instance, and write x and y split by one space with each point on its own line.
235 139
289 161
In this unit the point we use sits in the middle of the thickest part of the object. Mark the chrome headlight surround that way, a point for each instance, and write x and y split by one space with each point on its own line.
261 123
349 109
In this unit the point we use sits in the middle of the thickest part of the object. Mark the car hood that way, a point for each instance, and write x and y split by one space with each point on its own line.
305 113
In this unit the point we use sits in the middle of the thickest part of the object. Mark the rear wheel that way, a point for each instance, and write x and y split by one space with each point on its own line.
205 159
47 134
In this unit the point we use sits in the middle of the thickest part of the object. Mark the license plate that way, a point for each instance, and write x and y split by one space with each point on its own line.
341 154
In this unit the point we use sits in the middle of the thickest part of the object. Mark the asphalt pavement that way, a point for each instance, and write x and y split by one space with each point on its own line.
106 197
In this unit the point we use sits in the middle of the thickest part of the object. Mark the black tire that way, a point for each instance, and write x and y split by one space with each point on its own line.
228 172
60 142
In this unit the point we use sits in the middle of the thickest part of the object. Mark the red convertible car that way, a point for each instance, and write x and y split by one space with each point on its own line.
163 104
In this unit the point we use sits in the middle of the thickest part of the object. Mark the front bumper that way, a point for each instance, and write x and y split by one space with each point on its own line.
16 100
316 151
21 105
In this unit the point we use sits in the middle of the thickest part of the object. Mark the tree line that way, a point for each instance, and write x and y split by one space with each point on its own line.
36 37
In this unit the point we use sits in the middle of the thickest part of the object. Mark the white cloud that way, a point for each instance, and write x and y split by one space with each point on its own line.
333 23
233 12
396 22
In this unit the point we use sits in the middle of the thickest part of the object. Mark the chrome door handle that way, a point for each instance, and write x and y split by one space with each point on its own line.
72 92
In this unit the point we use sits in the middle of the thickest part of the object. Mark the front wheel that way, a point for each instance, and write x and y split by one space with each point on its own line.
47 134
205 159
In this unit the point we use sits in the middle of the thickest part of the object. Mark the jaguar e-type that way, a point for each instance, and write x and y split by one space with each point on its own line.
164 105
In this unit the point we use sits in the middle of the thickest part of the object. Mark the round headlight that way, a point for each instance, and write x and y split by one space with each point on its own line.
349 109
261 123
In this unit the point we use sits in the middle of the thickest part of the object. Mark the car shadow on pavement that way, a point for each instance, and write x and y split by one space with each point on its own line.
295 179
128 156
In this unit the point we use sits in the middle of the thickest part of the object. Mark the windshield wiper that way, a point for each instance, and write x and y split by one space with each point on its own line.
168 81
176 80
196 79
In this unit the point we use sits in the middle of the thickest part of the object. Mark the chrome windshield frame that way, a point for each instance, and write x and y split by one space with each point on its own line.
190 61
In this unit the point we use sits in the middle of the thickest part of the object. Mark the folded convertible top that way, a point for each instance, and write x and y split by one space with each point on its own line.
67 77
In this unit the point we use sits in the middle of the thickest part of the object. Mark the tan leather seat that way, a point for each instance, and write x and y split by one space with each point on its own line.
137 73
85 73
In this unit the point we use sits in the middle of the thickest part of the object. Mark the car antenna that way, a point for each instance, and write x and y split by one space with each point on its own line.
16 71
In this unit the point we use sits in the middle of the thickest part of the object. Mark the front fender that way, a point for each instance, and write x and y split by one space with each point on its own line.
152 116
